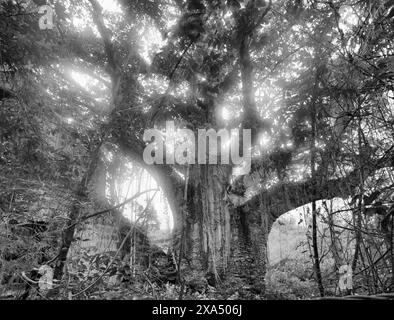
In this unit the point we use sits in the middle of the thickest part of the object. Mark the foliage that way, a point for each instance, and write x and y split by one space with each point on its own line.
313 81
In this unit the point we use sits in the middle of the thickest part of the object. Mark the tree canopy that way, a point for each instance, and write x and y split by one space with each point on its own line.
313 80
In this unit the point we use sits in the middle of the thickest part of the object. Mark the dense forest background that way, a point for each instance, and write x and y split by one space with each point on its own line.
83 216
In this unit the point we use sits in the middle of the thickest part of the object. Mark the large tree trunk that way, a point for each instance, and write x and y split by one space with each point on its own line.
250 229
207 240
221 241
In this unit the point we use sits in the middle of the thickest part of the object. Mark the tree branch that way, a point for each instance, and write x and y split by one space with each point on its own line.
114 68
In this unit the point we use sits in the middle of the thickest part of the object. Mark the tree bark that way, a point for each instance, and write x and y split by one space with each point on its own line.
222 241
250 229
208 236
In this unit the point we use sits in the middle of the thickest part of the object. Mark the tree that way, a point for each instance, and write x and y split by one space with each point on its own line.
289 71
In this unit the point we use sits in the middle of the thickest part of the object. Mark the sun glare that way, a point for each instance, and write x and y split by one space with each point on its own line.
82 79
157 199
111 6
150 42
226 114
348 18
